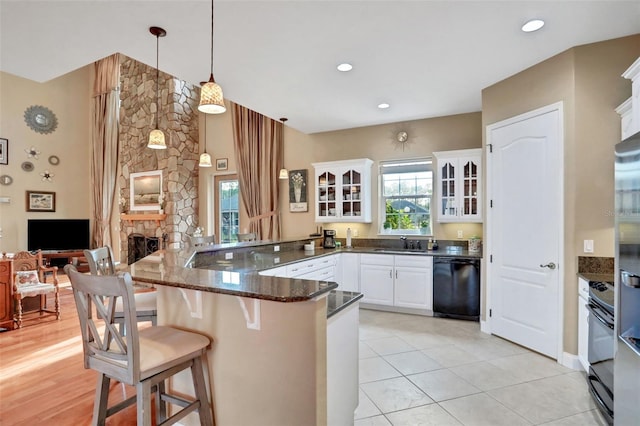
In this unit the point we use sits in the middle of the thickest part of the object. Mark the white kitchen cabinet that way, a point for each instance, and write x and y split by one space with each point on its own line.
583 323
348 271
459 185
343 191
399 281
413 287
627 125
280 271
376 279
320 269
631 120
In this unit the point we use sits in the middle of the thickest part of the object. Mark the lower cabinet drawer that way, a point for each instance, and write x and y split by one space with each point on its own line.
324 274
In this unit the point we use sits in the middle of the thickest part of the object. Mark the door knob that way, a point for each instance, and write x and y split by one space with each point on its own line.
549 265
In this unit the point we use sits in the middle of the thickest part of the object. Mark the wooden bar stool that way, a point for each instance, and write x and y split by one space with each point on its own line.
141 358
101 262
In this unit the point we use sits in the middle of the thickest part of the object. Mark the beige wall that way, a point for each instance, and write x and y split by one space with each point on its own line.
69 97
374 142
587 80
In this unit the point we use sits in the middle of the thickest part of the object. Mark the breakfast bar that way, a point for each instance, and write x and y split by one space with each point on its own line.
275 340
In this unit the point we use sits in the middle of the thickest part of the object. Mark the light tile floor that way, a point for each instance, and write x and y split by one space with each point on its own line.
417 370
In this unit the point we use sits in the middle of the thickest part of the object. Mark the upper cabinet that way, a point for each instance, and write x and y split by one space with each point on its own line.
459 185
629 110
343 191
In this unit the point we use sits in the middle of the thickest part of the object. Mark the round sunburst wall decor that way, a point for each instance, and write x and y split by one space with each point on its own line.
40 119
401 137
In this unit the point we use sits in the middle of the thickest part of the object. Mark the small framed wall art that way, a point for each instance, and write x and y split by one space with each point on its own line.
298 191
4 151
221 164
41 201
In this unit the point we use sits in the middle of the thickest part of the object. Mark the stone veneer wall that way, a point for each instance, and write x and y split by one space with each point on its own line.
179 121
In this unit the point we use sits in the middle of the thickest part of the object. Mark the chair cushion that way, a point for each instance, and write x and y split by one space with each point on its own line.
27 278
161 346
35 289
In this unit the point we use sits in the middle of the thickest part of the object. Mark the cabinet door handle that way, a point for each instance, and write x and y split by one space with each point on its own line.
396 274
390 276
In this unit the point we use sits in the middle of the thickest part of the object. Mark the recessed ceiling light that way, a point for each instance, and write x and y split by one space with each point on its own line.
533 25
383 105
345 67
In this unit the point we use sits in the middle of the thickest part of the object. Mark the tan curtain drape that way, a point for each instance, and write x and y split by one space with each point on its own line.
259 146
105 149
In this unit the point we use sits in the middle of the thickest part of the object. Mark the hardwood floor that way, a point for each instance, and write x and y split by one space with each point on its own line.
42 376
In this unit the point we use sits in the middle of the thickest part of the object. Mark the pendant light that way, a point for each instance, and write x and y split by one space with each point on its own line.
284 173
156 137
205 159
211 98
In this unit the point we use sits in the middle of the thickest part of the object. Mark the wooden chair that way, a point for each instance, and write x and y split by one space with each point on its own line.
101 262
142 358
202 241
250 236
29 280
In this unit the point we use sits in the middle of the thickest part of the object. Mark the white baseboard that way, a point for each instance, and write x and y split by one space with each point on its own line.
571 361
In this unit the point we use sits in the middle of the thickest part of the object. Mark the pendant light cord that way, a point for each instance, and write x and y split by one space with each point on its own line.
157 80
211 40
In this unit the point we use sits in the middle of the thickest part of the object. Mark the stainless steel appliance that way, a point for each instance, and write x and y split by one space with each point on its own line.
329 239
627 218
456 288
601 343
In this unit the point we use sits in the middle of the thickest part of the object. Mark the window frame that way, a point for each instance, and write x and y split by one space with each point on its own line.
425 164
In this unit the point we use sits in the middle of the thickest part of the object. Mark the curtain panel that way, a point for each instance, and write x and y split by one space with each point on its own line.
104 148
258 143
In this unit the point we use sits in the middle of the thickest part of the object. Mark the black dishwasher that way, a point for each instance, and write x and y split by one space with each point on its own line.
456 288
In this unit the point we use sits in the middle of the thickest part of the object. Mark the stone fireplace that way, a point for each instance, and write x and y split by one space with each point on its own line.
139 246
178 119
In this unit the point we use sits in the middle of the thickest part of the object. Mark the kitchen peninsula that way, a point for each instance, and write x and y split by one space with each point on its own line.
284 351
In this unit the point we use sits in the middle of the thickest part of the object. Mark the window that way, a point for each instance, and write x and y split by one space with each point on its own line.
227 214
405 201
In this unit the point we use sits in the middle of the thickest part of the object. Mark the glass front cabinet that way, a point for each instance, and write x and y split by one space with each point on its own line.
343 191
459 185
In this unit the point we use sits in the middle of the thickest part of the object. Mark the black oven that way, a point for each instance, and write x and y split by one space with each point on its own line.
601 343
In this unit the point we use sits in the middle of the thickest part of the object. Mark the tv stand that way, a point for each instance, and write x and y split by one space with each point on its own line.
74 257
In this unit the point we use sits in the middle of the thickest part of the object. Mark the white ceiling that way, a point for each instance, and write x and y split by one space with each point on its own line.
425 58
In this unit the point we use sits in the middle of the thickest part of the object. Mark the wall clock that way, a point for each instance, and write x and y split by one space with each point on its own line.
40 119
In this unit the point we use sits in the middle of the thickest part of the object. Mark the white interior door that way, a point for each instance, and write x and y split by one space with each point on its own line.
524 227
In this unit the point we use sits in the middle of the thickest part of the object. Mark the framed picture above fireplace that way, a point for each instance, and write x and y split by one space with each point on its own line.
146 191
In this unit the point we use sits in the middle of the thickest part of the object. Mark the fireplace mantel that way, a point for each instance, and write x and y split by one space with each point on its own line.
144 216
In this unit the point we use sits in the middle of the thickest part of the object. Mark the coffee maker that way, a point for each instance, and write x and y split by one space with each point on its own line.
329 239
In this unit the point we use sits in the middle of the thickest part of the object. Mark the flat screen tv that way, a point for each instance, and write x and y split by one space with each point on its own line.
58 234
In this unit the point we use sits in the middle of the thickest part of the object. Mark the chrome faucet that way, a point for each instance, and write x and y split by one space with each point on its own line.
404 242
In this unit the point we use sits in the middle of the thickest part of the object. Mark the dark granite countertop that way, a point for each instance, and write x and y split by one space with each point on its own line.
254 259
166 267
339 300
233 269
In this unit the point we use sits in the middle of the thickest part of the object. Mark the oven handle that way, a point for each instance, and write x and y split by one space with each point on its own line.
598 317
591 378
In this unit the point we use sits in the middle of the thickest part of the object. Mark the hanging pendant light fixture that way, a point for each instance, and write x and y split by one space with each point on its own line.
156 137
284 173
205 159
211 98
